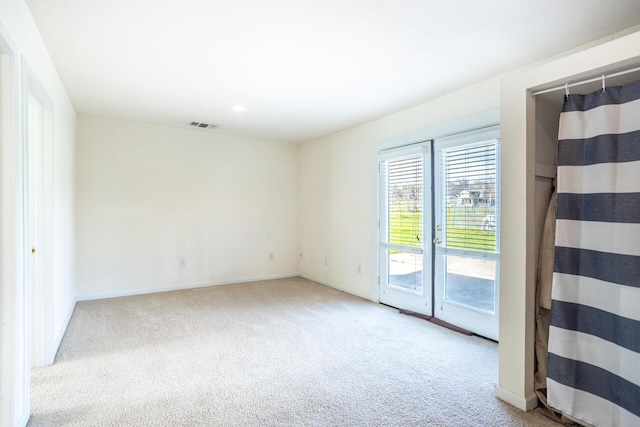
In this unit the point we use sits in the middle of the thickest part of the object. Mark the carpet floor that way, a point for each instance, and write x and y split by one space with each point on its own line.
287 352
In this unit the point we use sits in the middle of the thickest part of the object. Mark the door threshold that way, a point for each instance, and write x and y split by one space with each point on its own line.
437 321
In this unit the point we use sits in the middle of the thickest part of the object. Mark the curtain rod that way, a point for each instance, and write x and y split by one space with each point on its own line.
595 79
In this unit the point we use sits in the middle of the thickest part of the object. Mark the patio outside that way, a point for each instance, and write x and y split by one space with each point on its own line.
469 281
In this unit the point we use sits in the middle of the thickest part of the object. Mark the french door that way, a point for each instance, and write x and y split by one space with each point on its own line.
439 230
467 232
405 224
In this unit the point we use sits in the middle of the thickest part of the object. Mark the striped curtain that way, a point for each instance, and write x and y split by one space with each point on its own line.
594 338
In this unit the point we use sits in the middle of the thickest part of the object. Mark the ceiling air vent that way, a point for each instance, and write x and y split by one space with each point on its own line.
202 125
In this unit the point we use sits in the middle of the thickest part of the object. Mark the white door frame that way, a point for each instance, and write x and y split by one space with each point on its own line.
14 324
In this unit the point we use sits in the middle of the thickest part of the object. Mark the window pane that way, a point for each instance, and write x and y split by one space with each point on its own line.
404 195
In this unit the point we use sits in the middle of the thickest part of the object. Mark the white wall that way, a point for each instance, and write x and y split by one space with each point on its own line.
18 28
338 183
149 196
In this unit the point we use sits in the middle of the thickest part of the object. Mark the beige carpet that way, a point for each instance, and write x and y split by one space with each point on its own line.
274 353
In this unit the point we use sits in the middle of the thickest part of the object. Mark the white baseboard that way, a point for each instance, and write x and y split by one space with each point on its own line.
90 297
522 403
334 286
51 357
24 419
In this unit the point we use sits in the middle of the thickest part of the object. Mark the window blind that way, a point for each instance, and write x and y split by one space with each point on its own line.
471 197
404 195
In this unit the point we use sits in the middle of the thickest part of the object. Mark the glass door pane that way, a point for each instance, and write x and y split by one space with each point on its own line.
471 283
405 271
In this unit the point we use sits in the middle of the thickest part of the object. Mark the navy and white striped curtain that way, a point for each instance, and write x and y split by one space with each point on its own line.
594 337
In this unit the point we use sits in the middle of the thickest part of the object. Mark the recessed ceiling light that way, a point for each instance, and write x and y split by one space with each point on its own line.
238 108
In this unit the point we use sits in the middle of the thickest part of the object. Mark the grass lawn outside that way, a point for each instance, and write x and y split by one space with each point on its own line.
464 227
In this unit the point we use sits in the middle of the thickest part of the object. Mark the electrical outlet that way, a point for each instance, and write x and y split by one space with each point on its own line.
359 269
271 257
325 261
183 262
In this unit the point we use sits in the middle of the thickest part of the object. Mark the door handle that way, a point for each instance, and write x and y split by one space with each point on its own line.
436 241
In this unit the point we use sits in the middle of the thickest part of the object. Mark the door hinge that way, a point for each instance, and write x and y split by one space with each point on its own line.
378 280
378 224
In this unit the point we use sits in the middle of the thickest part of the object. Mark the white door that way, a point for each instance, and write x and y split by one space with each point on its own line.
38 218
405 228
33 210
467 230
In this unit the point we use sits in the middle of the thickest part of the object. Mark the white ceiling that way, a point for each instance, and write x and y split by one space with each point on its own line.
302 68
